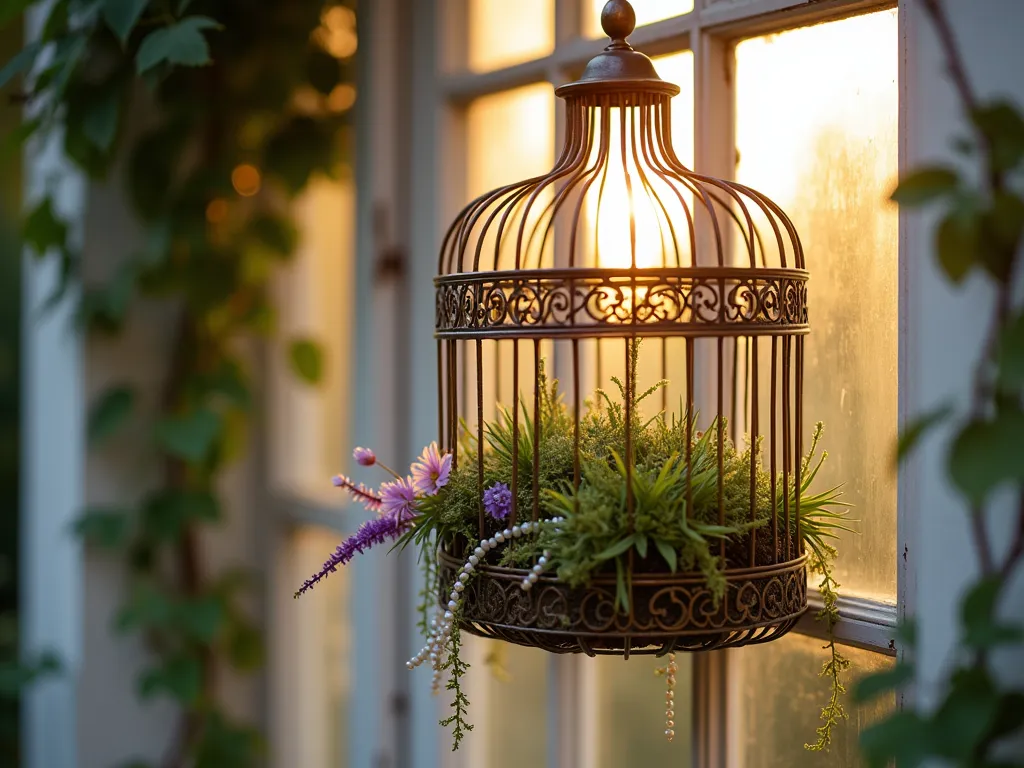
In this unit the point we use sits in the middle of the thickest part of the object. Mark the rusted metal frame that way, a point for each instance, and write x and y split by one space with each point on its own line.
652 196
648 154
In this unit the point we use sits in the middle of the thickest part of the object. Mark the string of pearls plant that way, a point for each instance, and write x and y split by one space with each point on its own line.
670 695
441 628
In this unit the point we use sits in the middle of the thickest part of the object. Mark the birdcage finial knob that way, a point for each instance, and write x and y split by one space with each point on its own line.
618 19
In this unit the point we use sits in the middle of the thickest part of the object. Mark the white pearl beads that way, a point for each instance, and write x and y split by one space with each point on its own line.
670 696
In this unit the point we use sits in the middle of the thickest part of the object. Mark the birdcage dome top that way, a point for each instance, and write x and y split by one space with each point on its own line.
620 237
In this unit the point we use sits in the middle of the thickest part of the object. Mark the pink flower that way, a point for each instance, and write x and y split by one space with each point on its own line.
398 499
359 492
431 471
364 456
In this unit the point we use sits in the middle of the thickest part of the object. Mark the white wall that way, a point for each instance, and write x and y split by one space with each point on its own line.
944 327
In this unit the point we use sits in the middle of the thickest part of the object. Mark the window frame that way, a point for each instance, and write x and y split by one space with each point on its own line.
711 31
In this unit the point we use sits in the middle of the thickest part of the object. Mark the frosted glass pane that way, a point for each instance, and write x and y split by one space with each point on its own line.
624 704
508 705
780 696
312 671
822 142
503 33
647 12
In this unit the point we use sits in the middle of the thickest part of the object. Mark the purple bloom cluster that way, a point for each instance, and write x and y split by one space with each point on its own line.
498 501
359 492
375 531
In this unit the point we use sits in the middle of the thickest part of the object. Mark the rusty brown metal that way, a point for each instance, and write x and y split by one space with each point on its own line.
710 268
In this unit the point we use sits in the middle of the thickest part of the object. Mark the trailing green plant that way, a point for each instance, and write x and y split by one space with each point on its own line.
210 116
977 714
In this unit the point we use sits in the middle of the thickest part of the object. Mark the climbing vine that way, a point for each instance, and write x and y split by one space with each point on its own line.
211 116
977 714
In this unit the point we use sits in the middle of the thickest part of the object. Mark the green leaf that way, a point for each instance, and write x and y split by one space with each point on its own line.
22 61
189 437
167 513
925 185
299 149
11 9
101 118
978 616
181 678
967 714
43 229
641 544
1002 124
1010 717
244 646
104 528
903 737
307 360
147 608
110 412
668 553
1010 354
917 429
870 687
616 549
275 233
201 617
122 16
181 43
986 454
956 241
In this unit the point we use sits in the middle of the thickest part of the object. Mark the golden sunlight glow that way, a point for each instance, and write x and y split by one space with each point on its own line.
217 210
337 34
506 32
647 12
246 180
816 130
342 98
618 200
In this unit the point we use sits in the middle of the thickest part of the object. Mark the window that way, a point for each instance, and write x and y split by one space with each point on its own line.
822 141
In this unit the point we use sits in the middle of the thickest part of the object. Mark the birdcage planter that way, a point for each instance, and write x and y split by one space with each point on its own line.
567 270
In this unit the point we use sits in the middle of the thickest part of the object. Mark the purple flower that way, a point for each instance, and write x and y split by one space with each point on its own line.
364 456
398 498
498 501
431 471
375 531
359 492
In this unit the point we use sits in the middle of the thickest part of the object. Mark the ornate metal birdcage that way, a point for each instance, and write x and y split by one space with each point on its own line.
621 241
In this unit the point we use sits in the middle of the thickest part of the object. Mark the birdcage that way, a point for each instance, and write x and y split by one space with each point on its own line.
558 276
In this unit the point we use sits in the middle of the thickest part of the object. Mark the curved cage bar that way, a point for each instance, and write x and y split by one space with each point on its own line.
559 276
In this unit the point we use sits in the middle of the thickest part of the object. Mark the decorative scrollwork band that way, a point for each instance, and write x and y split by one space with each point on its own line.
669 611
598 302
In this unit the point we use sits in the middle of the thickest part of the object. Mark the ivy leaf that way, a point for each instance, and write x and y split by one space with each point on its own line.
870 687
110 412
122 16
307 360
668 553
967 714
277 234
985 454
917 429
42 229
147 608
22 61
101 117
1010 355
1002 124
180 43
225 745
903 737
201 617
189 437
978 616
244 646
300 148
105 528
181 678
925 185
956 242
166 514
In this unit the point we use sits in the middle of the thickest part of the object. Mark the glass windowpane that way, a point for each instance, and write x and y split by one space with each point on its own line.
647 12
821 141
779 697
624 713
502 33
